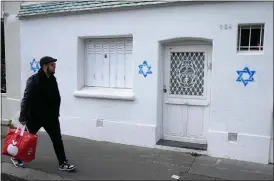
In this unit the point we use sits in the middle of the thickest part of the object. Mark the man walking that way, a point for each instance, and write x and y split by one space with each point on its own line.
40 108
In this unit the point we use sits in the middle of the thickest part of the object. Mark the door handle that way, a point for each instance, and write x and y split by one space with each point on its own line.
210 66
164 89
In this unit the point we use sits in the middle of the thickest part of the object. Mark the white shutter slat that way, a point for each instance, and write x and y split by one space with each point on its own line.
128 70
112 63
128 63
105 64
90 69
120 64
98 64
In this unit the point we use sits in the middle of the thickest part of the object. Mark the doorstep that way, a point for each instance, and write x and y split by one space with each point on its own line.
178 144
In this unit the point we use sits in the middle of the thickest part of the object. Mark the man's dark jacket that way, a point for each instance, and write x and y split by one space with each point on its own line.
41 101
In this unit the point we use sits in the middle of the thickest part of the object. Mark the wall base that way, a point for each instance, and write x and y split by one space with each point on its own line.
250 148
110 131
271 151
10 107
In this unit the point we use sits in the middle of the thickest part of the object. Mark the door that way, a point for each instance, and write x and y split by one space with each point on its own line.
186 93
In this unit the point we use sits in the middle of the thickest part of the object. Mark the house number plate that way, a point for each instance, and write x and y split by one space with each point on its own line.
225 26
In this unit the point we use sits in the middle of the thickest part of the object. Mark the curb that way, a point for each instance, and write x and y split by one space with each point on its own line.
26 174
8 177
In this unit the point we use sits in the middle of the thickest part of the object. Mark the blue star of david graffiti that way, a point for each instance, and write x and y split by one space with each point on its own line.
142 67
247 72
34 65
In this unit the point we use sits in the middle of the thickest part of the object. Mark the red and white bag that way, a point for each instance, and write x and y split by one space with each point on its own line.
20 143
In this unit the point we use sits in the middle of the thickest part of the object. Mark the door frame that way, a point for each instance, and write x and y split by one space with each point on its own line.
271 143
208 48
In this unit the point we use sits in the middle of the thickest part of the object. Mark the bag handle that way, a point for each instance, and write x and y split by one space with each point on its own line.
22 129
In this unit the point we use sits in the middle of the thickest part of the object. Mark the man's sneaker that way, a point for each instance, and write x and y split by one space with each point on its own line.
17 162
66 167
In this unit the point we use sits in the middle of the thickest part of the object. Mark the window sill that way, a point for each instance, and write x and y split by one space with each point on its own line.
250 53
105 93
3 94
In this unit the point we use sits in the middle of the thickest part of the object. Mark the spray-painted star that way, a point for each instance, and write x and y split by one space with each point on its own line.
145 69
34 65
243 73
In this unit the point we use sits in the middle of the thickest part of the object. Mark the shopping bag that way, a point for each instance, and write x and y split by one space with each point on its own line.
20 143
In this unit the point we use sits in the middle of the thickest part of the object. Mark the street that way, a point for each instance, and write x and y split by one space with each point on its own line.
6 177
103 160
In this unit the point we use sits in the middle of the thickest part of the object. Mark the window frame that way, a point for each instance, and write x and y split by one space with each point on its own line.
251 26
3 58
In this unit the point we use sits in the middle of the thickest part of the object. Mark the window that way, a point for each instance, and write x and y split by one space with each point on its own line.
3 65
250 37
109 63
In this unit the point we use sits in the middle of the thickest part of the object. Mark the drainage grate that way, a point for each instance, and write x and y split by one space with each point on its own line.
232 137
99 123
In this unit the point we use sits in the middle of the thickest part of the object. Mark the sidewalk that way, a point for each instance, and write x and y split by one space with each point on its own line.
109 161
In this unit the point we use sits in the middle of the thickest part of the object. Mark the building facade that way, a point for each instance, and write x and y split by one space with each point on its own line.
195 74
10 60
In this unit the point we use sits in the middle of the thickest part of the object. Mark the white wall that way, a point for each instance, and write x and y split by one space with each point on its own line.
34 2
271 147
234 108
11 100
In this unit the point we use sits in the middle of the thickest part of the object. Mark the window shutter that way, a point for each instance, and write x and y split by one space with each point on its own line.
128 63
98 64
109 63
105 65
112 62
94 65
120 64
90 66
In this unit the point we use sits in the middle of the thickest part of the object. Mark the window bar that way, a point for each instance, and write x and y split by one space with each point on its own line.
249 38
261 34
240 36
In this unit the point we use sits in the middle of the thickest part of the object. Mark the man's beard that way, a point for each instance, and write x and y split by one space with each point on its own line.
49 72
